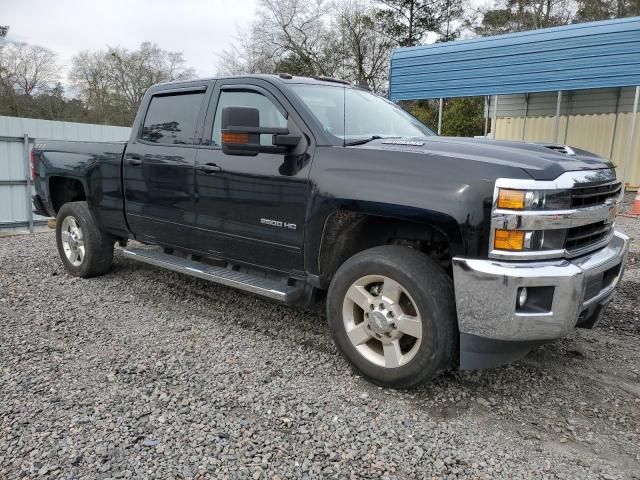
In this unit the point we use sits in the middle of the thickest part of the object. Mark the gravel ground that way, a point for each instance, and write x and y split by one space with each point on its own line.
144 373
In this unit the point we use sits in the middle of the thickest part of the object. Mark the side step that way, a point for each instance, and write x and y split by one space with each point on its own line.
250 283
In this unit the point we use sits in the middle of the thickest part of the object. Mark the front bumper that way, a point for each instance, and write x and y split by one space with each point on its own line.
486 293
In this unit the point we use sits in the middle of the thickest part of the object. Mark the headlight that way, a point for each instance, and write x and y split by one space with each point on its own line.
509 199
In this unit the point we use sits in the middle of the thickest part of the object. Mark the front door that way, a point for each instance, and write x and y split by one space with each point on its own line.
252 207
158 170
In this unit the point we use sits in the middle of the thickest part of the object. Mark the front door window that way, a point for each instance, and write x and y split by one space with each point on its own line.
270 116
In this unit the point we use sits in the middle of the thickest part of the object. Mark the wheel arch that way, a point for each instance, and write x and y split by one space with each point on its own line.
347 232
64 189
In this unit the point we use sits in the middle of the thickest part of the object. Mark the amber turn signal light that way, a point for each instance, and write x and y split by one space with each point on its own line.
509 240
236 138
511 199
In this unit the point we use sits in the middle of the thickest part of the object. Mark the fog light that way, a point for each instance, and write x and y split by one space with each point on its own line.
522 297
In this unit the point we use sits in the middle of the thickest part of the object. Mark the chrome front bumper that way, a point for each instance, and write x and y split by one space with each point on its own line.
486 292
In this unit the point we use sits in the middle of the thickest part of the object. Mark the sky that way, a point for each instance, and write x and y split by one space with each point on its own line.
200 29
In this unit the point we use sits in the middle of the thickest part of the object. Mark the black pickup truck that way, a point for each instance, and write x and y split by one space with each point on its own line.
429 250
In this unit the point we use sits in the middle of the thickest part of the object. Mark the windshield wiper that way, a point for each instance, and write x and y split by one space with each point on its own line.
362 141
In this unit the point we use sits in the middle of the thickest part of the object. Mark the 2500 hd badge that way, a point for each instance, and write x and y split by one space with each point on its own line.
278 223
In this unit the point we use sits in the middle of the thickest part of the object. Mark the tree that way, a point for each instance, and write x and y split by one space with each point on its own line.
519 15
6 78
112 82
424 110
590 10
131 73
452 20
27 69
408 22
90 76
461 117
297 33
34 67
365 50
312 38
293 36
246 56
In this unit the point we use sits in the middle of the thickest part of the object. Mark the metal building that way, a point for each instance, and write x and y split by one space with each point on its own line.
16 138
576 82
597 120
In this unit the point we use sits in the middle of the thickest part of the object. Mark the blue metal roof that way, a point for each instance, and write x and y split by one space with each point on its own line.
571 57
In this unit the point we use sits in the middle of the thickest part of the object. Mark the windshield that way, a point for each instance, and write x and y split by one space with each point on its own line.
352 114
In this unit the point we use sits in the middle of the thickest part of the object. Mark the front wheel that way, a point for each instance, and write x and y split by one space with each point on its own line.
391 311
85 250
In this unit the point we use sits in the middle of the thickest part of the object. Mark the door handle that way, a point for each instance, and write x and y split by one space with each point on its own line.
134 161
209 168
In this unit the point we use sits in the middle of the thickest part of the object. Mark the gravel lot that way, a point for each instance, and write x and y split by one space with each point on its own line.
144 373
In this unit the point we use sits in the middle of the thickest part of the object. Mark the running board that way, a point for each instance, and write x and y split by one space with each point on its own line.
249 283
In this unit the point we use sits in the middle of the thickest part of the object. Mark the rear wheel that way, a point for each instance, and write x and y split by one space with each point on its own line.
391 311
85 250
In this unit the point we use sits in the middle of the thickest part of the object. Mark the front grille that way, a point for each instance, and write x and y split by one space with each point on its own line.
590 196
580 237
578 220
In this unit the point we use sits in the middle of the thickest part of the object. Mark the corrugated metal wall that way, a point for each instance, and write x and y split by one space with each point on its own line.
579 102
15 204
570 57
588 120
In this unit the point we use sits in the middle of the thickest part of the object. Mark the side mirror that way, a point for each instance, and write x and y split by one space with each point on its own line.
241 132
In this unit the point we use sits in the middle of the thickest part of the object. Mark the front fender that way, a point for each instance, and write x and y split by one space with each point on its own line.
448 193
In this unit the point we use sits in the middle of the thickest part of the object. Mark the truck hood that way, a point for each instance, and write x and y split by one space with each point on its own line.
540 161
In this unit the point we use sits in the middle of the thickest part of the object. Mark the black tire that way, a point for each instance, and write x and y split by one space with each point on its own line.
430 289
98 246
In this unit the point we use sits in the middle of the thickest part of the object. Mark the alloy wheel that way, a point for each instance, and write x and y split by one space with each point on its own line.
72 241
382 321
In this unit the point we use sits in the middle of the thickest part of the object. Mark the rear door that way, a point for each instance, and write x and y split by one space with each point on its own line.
158 167
253 207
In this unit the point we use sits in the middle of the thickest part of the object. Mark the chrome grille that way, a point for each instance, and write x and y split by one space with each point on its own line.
594 195
584 225
585 236
581 237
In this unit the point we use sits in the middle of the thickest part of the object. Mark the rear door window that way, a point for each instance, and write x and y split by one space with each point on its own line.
172 119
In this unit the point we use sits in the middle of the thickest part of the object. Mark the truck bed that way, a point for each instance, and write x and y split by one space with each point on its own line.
96 166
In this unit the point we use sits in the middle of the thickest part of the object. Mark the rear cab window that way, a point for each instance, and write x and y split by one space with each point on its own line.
171 119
